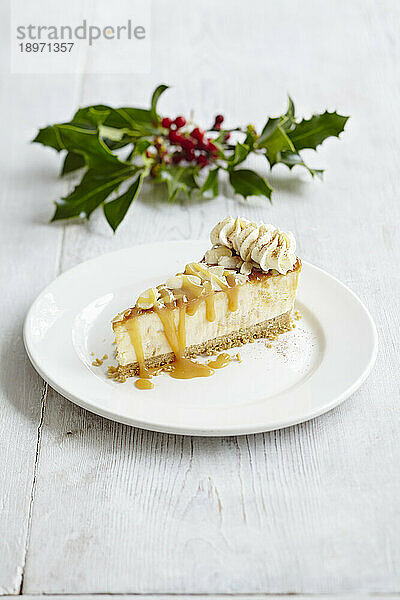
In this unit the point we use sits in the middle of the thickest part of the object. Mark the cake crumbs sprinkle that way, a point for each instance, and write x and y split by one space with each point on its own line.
238 357
99 361
297 315
113 373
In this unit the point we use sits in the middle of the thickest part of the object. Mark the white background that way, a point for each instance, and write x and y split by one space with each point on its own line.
88 506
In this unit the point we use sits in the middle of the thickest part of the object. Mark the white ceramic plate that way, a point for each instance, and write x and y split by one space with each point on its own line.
305 373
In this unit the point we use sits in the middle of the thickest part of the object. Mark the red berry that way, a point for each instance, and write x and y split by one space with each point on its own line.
219 119
212 148
166 122
190 155
216 127
197 134
187 143
180 122
174 137
202 144
202 161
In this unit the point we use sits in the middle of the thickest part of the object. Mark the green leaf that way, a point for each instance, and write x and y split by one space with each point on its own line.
115 210
291 159
248 183
290 113
312 132
210 186
91 192
154 101
88 143
141 146
72 162
129 120
287 121
179 179
274 138
241 153
105 117
139 121
91 115
276 143
268 130
48 136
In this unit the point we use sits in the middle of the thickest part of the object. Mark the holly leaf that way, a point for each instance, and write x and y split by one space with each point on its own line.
312 132
287 121
275 144
123 120
72 162
115 210
154 101
291 111
91 192
248 183
48 136
268 130
291 159
95 132
78 140
209 189
274 137
91 115
240 154
179 179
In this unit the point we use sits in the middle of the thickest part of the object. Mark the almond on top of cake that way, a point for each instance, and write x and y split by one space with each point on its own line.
242 289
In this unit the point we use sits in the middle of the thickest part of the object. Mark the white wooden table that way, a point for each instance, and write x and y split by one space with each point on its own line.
88 506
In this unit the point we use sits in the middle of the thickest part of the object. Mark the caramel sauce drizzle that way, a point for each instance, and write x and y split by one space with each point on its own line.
210 302
143 382
220 362
185 368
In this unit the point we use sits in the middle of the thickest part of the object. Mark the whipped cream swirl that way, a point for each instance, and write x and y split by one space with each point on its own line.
262 244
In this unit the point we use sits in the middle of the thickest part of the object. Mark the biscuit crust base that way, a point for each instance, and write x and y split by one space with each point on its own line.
267 329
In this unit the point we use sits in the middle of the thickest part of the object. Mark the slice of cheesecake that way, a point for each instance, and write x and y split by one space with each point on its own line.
243 289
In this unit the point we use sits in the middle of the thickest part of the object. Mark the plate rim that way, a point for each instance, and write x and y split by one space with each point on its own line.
228 430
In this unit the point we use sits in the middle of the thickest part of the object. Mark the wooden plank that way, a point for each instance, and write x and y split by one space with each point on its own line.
28 261
310 509
206 597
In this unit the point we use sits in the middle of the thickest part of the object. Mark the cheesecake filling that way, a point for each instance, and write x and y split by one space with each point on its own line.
175 334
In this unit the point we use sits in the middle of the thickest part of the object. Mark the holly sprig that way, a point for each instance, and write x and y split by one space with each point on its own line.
127 145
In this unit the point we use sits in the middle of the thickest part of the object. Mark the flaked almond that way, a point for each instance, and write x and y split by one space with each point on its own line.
166 296
191 269
230 262
148 299
175 282
218 284
217 270
206 274
246 268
